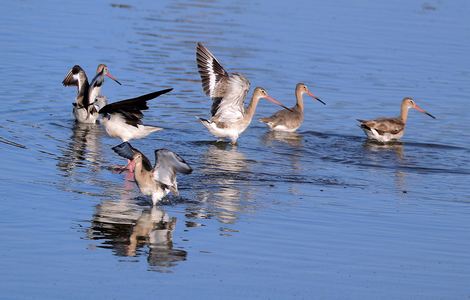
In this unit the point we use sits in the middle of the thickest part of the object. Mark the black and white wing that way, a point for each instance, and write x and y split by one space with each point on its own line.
167 164
71 78
227 91
131 109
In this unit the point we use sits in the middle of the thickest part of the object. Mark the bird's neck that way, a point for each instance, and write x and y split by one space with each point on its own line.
404 113
250 110
138 168
82 97
300 100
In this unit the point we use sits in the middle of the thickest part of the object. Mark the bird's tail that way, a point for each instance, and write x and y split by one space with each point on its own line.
265 120
150 128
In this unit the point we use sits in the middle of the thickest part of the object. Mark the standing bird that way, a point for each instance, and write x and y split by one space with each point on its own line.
96 84
390 129
290 120
85 109
158 181
228 92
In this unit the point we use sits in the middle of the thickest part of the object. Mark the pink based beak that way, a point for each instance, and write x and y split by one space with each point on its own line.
315 97
271 99
112 77
423 111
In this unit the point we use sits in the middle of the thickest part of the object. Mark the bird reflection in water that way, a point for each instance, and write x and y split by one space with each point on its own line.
84 149
225 171
133 230
295 150
291 138
393 153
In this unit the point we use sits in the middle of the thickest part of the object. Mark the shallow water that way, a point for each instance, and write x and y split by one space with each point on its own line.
316 214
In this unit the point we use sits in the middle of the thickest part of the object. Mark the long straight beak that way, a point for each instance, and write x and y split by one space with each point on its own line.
423 111
269 98
113 78
315 97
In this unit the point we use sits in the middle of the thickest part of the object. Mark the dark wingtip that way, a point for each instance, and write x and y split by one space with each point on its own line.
124 149
189 171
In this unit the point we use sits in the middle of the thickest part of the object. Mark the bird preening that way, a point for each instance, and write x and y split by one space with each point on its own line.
229 118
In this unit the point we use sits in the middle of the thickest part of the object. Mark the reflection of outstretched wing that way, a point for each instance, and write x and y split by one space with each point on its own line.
227 91
127 151
131 109
167 163
69 80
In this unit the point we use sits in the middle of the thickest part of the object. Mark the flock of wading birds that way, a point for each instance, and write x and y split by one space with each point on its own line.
229 118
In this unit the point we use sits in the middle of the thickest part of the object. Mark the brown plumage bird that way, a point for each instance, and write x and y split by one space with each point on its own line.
290 119
390 129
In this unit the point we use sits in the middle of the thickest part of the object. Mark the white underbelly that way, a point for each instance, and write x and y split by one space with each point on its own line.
383 138
284 128
117 127
231 131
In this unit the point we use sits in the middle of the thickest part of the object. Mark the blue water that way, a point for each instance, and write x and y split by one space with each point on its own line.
317 214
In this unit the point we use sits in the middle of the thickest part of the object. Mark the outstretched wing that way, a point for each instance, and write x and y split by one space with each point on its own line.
211 71
127 151
227 91
167 163
131 109
69 79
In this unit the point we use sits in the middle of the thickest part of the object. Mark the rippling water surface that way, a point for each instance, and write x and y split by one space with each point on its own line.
320 213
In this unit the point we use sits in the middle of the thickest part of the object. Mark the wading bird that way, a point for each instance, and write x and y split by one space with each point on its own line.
290 120
228 92
123 119
159 180
390 129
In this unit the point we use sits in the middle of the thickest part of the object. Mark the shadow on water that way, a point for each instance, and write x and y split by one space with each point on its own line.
132 229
